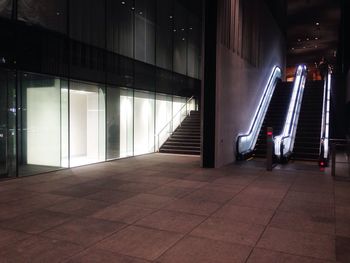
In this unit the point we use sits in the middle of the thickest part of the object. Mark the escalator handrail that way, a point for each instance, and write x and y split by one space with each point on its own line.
324 138
261 111
301 71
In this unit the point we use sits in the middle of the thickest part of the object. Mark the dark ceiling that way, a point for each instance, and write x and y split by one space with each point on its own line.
312 31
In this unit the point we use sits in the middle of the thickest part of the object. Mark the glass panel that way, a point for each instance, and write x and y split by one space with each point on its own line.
126 122
41 136
145 31
5 8
144 122
178 111
87 21
120 27
51 14
163 117
164 44
87 132
7 124
193 47
180 39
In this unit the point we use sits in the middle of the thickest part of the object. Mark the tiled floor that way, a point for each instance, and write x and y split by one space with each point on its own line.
164 208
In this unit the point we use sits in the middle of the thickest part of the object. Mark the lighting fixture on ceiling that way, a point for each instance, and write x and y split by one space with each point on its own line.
317 23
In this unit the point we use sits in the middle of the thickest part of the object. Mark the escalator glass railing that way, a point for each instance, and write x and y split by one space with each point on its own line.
324 146
246 142
284 142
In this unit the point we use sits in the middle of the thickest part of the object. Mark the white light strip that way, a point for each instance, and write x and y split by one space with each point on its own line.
287 136
326 138
246 142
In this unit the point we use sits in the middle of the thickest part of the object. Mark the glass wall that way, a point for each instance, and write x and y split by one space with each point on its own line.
6 8
67 123
143 122
165 33
42 123
51 14
7 124
87 123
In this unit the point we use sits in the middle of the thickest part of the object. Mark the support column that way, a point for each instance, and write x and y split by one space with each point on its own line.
208 108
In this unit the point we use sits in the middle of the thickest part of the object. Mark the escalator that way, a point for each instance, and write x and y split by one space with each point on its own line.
275 116
307 140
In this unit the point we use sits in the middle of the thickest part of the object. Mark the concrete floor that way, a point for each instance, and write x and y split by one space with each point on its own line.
163 208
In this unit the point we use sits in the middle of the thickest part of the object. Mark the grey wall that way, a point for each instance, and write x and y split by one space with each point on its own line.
239 83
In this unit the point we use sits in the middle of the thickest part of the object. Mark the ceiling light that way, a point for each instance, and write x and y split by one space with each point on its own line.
316 38
304 47
132 8
316 46
317 23
299 39
307 39
140 13
174 30
123 2
171 17
292 48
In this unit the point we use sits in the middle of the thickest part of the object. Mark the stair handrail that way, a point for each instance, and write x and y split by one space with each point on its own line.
285 140
324 138
245 143
172 120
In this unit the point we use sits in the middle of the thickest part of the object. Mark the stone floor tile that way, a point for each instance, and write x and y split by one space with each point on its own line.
140 242
229 231
8 211
79 190
14 194
83 231
123 213
342 249
110 196
216 196
36 222
304 222
197 207
313 209
235 180
137 187
98 255
38 250
318 198
256 200
171 191
79 207
186 183
10 237
245 214
299 243
194 249
268 256
171 221
148 201
342 221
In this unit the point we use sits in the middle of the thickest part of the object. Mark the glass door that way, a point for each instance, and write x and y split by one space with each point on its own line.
7 124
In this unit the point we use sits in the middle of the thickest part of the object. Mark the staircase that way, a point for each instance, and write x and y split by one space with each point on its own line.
275 116
307 140
186 138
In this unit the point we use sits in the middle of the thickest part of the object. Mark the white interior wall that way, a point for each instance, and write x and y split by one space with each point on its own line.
43 126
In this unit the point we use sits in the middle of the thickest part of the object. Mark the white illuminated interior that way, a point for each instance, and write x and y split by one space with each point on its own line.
144 123
246 142
43 120
126 123
286 139
85 131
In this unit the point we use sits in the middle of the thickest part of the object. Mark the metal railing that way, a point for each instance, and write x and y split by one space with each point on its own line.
284 143
174 123
245 143
324 142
